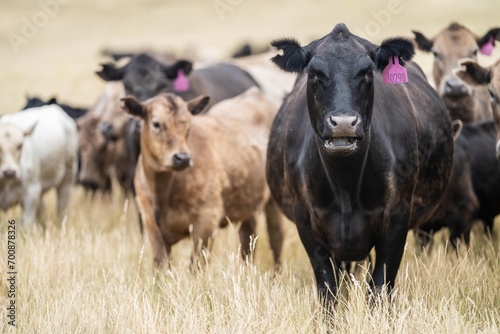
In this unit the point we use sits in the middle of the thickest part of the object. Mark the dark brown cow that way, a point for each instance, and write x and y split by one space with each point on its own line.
449 46
202 170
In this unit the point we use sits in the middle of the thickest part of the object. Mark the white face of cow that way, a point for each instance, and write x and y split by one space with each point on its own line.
11 145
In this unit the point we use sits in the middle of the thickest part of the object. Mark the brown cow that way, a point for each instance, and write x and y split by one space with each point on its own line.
203 170
449 46
489 78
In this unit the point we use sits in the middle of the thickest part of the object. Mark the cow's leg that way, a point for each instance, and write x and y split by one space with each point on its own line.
389 251
63 194
202 233
275 229
326 270
246 233
31 201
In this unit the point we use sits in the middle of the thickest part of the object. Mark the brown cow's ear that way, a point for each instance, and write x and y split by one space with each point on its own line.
423 42
495 33
109 72
133 106
472 73
198 104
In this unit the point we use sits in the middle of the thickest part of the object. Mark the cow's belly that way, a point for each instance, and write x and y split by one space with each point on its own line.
350 237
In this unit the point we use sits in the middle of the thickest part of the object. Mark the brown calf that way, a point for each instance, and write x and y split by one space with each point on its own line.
449 46
488 78
202 170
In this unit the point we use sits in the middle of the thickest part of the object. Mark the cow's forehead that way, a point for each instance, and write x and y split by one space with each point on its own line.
10 135
168 107
457 40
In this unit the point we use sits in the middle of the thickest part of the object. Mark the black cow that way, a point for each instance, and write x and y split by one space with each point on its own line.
145 77
74 113
476 160
459 205
356 163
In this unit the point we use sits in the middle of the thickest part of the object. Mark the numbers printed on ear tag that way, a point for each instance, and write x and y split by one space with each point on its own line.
394 73
487 49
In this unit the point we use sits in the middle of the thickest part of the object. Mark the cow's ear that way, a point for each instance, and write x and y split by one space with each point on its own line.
53 100
198 105
171 72
457 125
133 106
472 73
29 131
294 58
423 42
397 46
492 33
109 72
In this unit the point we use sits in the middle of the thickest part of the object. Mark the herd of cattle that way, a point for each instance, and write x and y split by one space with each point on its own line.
353 161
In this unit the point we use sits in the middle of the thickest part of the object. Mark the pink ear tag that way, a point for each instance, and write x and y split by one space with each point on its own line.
487 49
181 83
395 73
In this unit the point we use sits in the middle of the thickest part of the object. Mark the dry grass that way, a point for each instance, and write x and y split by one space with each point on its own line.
94 275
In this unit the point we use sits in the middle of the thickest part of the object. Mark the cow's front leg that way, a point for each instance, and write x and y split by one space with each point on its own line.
326 269
389 251
31 202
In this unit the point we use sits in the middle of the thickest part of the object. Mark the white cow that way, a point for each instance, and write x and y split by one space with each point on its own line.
38 151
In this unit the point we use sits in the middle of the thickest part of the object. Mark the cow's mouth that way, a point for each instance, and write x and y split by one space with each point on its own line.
341 143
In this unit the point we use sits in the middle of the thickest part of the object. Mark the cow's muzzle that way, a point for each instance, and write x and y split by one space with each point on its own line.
342 132
181 161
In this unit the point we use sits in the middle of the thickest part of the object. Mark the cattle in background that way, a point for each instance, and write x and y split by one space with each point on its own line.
459 205
203 170
354 162
74 113
38 151
489 78
144 77
247 49
449 46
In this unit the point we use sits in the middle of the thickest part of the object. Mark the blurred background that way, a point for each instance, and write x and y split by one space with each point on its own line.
53 47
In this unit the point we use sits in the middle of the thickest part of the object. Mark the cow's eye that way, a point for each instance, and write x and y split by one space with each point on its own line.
369 74
435 53
156 125
312 74
492 96
474 53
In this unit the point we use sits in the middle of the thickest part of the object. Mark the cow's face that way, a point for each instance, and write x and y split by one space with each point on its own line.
11 146
475 75
164 135
449 46
92 172
144 77
339 69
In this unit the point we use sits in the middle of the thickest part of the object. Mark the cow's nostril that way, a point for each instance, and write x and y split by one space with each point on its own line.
332 119
9 173
355 121
181 160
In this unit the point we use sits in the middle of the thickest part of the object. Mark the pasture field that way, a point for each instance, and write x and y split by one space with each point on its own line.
93 273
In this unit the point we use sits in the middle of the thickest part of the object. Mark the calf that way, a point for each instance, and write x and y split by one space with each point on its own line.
38 151
449 46
354 162
203 170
